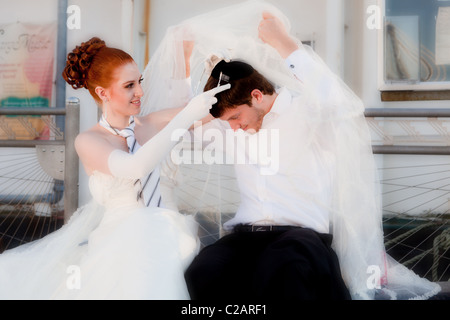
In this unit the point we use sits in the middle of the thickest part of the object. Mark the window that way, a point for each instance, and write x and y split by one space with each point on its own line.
415 47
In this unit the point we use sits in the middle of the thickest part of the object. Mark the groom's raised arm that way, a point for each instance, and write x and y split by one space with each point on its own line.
310 70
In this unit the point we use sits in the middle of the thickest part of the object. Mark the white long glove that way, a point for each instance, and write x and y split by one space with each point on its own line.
135 166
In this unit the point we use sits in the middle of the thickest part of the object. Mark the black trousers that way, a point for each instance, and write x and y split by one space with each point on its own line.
295 264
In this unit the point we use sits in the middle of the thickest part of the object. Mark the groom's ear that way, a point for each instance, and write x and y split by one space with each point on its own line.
257 95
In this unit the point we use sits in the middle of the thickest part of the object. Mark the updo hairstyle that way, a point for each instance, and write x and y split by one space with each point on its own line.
92 64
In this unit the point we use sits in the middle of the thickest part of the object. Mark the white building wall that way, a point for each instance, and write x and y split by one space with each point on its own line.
28 11
308 18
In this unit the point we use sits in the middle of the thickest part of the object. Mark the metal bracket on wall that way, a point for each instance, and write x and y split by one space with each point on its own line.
52 160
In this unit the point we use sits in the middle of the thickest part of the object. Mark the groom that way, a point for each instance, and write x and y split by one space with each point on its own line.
279 246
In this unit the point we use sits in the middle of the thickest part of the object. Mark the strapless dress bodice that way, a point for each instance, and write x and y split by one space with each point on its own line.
113 192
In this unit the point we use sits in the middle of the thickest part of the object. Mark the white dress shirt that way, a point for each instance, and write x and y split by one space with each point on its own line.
294 186
298 190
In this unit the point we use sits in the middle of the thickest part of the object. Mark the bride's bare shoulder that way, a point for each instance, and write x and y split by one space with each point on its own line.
92 136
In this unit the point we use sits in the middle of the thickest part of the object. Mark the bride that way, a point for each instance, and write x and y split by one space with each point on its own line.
115 247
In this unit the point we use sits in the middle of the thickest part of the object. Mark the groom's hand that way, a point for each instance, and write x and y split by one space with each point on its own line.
273 32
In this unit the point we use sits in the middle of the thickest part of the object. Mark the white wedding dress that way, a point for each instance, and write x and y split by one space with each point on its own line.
112 248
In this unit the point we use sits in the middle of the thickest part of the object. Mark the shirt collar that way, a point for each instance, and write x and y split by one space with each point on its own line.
282 102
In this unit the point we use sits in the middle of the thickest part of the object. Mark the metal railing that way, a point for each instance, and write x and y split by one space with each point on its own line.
409 113
436 229
72 125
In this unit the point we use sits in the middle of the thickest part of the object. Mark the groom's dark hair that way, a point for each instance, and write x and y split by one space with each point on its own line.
243 79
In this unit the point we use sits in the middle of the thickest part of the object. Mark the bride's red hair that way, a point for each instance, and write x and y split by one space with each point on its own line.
92 64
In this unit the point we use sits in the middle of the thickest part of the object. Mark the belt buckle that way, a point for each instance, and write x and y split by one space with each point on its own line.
261 228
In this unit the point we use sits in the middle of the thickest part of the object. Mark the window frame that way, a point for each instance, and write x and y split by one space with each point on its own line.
427 90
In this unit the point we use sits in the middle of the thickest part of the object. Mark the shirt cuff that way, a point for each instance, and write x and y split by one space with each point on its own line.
300 63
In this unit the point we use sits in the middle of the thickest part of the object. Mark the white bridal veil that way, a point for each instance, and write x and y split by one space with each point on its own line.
356 221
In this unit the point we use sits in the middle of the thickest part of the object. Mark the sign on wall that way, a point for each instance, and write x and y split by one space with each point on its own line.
27 55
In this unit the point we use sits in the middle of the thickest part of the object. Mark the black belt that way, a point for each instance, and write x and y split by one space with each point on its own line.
253 228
